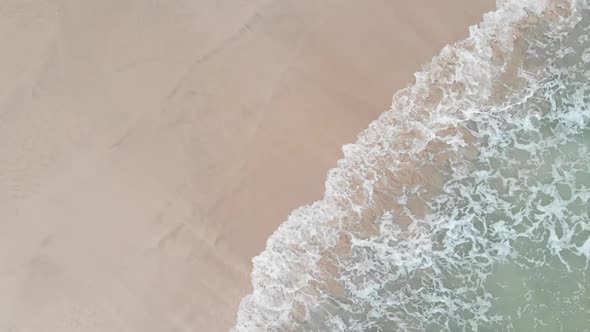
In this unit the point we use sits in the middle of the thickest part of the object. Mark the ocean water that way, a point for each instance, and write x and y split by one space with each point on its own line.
466 207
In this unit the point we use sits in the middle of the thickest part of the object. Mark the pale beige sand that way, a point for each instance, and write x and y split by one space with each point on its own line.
148 148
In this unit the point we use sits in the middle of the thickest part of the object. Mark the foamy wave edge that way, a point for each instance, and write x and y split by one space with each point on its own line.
464 74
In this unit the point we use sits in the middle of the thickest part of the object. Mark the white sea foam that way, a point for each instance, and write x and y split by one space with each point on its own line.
463 208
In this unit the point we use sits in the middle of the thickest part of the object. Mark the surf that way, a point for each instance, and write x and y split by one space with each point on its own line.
465 207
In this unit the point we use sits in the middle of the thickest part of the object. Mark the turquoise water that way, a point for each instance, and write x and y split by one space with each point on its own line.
466 207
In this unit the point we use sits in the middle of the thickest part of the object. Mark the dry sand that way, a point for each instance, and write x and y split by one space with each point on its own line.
148 148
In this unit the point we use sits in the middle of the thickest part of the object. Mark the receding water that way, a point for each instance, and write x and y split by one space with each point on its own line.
466 207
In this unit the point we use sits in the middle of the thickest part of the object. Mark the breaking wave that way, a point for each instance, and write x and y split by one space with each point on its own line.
466 207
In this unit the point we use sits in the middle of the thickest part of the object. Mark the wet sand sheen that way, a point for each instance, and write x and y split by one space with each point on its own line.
151 148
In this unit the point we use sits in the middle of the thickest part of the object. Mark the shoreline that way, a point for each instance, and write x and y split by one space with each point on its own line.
151 149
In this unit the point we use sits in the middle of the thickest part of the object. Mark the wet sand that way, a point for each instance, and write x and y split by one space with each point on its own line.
149 148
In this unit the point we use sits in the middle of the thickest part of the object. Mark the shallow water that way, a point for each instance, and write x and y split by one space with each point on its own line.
466 207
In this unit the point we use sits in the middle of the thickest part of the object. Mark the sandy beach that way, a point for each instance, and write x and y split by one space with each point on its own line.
149 148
